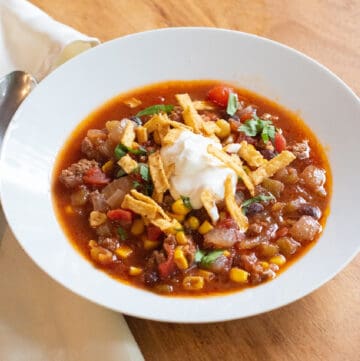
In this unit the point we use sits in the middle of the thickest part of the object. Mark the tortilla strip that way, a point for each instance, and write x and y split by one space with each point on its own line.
155 122
249 153
179 125
210 127
157 197
157 172
149 200
128 135
167 226
171 136
272 166
144 209
208 199
203 105
127 163
191 117
229 162
141 134
234 210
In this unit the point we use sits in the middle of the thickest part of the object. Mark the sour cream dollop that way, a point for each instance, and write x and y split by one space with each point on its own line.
195 168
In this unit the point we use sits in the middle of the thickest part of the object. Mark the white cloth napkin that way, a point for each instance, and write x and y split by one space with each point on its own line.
32 41
39 319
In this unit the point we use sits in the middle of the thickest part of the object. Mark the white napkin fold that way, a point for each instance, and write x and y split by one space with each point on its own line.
39 319
32 41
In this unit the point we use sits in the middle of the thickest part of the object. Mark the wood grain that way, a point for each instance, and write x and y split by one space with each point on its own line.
325 324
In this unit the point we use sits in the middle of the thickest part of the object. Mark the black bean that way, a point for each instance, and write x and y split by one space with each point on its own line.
254 208
267 153
151 278
137 120
308 210
234 117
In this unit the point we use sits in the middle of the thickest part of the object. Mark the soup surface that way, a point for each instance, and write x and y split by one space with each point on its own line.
192 188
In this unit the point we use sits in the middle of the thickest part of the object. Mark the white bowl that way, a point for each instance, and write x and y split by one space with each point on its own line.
48 116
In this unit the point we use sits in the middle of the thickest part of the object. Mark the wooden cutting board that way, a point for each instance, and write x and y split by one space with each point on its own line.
326 324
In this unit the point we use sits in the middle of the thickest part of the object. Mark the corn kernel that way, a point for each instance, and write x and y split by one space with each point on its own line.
279 260
193 223
92 243
157 138
224 128
179 207
207 275
123 251
264 265
135 271
141 134
238 275
181 238
148 245
97 218
226 253
205 227
69 209
180 259
179 217
137 227
193 283
108 166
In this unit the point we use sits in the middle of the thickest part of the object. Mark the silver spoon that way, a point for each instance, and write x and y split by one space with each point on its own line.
14 88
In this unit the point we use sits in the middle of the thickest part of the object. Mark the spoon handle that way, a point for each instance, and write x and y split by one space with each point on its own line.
14 87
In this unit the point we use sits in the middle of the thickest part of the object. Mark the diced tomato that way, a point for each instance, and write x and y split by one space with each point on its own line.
246 116
153 232
120 215
279 142
219 94
95 177
234 125
167 267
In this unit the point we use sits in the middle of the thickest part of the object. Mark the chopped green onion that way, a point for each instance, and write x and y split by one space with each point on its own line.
154 109
120 173
186 201
259 198
122 233
211 257
143 170
120 151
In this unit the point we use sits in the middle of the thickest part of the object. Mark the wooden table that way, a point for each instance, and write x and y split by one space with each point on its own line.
326 324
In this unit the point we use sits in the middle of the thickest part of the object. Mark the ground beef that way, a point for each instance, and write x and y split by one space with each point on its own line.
72 176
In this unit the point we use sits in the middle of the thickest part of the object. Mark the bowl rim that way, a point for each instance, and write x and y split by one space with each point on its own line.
212 318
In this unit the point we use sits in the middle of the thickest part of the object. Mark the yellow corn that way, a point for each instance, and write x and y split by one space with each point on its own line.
108 166
224 128
205 227
180 259
148 245
135 271
238 275
179 207
69 209
193 283
123 251
279 260
207 275
264 265
137 227
157 138
226 253
193 223
141 134
181 238
179 217
97 218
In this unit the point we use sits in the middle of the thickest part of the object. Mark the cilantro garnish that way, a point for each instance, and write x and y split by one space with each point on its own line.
154 109
256 126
